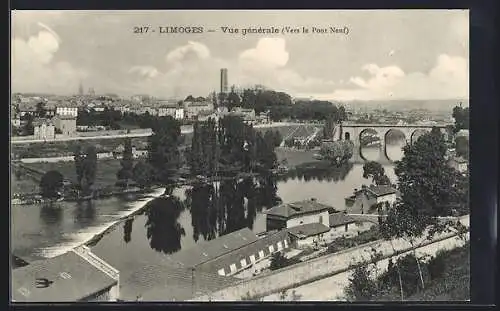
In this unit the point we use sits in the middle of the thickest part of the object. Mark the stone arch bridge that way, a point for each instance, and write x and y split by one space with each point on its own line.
353 132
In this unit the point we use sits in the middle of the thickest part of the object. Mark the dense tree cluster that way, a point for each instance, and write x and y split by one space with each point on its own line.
230 144
337 152
86 167
51 184
163 149
461 116
376 171
109 118
125 174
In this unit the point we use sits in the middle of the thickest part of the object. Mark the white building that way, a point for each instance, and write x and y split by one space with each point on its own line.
295 214
44 129
312 234
179 114
67 111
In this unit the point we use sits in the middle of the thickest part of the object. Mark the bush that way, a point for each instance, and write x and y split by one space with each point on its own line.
437 265
361 286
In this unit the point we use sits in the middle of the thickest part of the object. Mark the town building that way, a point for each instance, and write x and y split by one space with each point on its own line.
44 129
167 108
26 108
248 115
67 109
366 197
50 108
459 163
66 124
311 234
179 114
77 275
289 215
206 267
193 108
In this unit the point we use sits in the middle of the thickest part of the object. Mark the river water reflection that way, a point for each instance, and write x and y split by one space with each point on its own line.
190 215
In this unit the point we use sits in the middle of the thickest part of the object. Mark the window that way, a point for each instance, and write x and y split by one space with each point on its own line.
320 219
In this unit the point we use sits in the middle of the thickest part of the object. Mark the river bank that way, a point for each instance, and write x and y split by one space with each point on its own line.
96 233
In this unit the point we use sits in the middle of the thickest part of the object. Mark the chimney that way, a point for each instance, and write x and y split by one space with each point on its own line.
363 186
313 199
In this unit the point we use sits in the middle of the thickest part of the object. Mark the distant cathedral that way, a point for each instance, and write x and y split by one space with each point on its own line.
80 89
91 91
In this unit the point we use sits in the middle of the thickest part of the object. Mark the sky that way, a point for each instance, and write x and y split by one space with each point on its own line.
385 55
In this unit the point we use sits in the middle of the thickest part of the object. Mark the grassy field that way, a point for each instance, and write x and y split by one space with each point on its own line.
106 170
295 157
22 184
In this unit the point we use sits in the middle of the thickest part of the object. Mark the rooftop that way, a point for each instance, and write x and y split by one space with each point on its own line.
73 279
307 230
340 219
209 250
165 283
381 190
289 210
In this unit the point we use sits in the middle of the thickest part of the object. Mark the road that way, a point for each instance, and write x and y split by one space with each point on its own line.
332 288
184 130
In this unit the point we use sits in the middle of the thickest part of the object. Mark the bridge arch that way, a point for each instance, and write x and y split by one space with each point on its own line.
416 133
394 137
368 137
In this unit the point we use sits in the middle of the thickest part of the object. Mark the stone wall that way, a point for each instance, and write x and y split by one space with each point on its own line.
313 270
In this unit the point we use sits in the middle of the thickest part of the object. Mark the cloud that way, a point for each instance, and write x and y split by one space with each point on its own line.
189 51
448 79
144 71
33 67
266 64
184 72
269 52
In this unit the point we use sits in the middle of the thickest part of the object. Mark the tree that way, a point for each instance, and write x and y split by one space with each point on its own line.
125 174
79 157
462 146
461 116
142 174
40 109
51 184
428 190
90 167
233 100
361 287
337 152
375 170
163 152
278 261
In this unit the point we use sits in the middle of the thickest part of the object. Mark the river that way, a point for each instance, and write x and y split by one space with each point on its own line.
39 231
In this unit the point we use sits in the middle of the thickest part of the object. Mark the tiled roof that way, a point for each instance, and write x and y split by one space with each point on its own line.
381 190
165 283
308 230
245 251
288 210
209 250
73 279
340 219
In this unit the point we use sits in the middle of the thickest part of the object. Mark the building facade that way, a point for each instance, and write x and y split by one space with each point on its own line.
295 214
44 129
66 124
366 197
67 110
192 109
